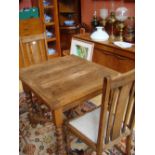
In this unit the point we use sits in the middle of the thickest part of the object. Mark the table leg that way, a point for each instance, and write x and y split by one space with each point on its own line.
28 98
58 121
29 103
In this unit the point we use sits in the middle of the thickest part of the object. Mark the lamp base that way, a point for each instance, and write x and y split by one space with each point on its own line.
103 22
111 38
120 38
121 29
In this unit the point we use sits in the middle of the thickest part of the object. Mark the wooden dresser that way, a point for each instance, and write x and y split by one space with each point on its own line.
107 54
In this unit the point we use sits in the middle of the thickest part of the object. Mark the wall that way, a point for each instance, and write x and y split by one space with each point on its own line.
25 4
87 8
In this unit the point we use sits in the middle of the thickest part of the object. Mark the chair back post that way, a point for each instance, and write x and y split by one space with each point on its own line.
46 47
104 108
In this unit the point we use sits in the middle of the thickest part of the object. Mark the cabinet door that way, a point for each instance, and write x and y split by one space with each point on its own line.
49 16
69 10
113 61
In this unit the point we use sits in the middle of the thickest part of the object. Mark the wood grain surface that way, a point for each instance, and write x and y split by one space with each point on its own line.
64 80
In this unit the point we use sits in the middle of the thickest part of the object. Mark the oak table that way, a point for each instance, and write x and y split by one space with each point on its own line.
63 83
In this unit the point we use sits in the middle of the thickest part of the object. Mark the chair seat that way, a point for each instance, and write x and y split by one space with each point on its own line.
96 100
88 124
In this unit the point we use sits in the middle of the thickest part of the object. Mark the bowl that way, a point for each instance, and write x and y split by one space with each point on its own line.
46 3
51 51
47 18
49 34
69 22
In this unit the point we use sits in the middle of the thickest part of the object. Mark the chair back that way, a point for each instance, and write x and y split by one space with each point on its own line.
33 49
117 108
67 52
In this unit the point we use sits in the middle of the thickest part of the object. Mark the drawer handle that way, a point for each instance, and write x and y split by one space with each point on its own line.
117 56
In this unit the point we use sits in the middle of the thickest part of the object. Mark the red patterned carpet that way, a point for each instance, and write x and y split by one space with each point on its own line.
41 139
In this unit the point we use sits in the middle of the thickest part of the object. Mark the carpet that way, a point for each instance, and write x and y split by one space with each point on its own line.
40 140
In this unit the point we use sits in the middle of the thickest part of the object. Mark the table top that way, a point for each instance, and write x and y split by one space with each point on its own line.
64 80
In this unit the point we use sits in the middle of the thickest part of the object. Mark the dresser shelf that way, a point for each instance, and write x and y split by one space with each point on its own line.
49 23
51 39
49 7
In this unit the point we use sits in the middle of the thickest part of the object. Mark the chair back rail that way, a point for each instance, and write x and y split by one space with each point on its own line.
118 101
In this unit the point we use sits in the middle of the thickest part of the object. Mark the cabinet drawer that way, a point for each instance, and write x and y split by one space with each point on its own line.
114 61
115 50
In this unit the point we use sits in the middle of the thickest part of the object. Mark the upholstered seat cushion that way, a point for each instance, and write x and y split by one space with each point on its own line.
96 100
88 124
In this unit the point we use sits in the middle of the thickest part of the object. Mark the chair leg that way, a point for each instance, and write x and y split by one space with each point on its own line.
128 145
30 108
99 151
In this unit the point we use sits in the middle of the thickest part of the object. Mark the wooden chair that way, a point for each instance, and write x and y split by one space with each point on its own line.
67 52
104 127
33 49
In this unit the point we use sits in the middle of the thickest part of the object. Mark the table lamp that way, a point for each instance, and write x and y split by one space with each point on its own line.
121 15
111 21
103 15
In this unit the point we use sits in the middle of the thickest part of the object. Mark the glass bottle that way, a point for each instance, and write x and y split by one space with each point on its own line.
95 21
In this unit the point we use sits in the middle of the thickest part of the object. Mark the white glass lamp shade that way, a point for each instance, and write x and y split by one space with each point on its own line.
99 34
103 13
121 13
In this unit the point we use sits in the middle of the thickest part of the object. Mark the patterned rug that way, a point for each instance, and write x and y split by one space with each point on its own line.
40 140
